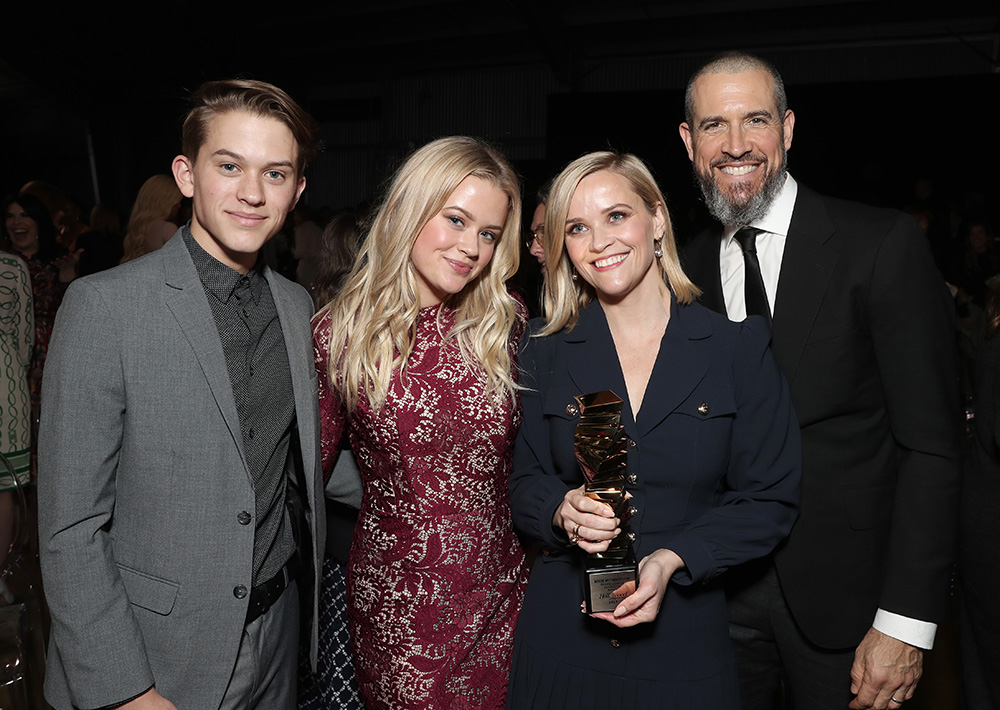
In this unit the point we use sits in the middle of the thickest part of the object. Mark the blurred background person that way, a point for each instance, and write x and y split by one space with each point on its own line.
29 231
154 217
979 527
977 262
530 281
334 685
54 200
100 246
535 244
308 243
17 336
340 243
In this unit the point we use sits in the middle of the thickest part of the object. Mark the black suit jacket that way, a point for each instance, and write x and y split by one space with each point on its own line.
863 330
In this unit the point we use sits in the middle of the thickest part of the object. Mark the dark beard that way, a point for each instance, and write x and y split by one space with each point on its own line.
732 214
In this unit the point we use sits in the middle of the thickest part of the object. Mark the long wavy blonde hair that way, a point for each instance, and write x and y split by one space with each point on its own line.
156 200
373 319
564 296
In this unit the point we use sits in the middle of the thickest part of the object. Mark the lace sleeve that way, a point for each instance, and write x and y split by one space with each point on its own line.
331 410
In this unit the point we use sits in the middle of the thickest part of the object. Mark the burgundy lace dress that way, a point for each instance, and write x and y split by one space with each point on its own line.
436 574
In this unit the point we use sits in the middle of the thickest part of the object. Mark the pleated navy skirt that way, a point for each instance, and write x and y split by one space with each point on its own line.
541 683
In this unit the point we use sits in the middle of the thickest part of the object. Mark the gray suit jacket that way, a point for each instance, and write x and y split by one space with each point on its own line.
142 482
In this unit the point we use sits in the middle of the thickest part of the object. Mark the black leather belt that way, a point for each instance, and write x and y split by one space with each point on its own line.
267 593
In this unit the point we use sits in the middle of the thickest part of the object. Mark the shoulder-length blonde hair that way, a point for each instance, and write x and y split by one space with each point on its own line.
157 199
564 296
373 319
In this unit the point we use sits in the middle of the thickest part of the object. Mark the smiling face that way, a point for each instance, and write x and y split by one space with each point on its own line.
609 237
737 142
22 230
243 184
455 246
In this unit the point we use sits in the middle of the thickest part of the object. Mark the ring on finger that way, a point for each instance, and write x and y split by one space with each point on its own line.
893 699
576 531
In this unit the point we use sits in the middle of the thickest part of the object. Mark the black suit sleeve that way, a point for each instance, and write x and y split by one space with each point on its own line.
763 478
912 326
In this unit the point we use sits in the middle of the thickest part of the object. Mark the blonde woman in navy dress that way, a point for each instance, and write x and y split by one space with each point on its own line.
714 456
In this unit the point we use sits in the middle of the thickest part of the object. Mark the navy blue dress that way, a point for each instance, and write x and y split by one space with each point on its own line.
717 453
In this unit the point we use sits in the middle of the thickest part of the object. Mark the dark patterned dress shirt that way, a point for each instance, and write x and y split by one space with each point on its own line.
257 361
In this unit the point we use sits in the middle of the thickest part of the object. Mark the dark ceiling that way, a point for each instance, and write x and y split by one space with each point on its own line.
146 54
92 98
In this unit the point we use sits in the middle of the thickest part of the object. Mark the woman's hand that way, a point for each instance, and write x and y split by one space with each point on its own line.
587 522
151 700
643 604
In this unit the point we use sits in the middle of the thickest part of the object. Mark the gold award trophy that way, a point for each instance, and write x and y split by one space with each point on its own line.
600 444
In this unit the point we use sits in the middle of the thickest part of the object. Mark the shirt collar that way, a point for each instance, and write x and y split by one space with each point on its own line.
217 278
779 216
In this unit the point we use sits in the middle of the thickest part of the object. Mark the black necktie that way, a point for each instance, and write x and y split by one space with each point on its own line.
753 281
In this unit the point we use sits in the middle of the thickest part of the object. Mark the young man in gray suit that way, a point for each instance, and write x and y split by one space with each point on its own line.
179 454
863 328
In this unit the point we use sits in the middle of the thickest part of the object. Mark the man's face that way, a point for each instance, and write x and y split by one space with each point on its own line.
737 144
243 183
537 249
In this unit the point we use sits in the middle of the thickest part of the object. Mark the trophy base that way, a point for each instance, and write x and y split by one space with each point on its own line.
605 587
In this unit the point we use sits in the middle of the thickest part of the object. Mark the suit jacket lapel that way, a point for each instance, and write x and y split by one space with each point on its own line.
680 364
185 297
298 343
702 265
593 360
806 267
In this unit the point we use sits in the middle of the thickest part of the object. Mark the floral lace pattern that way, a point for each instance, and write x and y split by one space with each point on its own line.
436 574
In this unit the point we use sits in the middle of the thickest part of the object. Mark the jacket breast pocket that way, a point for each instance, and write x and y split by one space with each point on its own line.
154 594
709 402
561 404
698 433
562 414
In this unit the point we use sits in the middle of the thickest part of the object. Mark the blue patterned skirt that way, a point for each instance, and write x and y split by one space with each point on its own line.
333 685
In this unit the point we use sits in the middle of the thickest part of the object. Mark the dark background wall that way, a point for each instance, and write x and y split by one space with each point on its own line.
884 92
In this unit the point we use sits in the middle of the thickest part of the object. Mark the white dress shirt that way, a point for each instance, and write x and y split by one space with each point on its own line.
770 249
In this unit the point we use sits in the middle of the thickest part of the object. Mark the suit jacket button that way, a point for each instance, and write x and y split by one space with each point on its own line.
239 591
616 643
703 408
631 443
572 410
632 479
243 518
